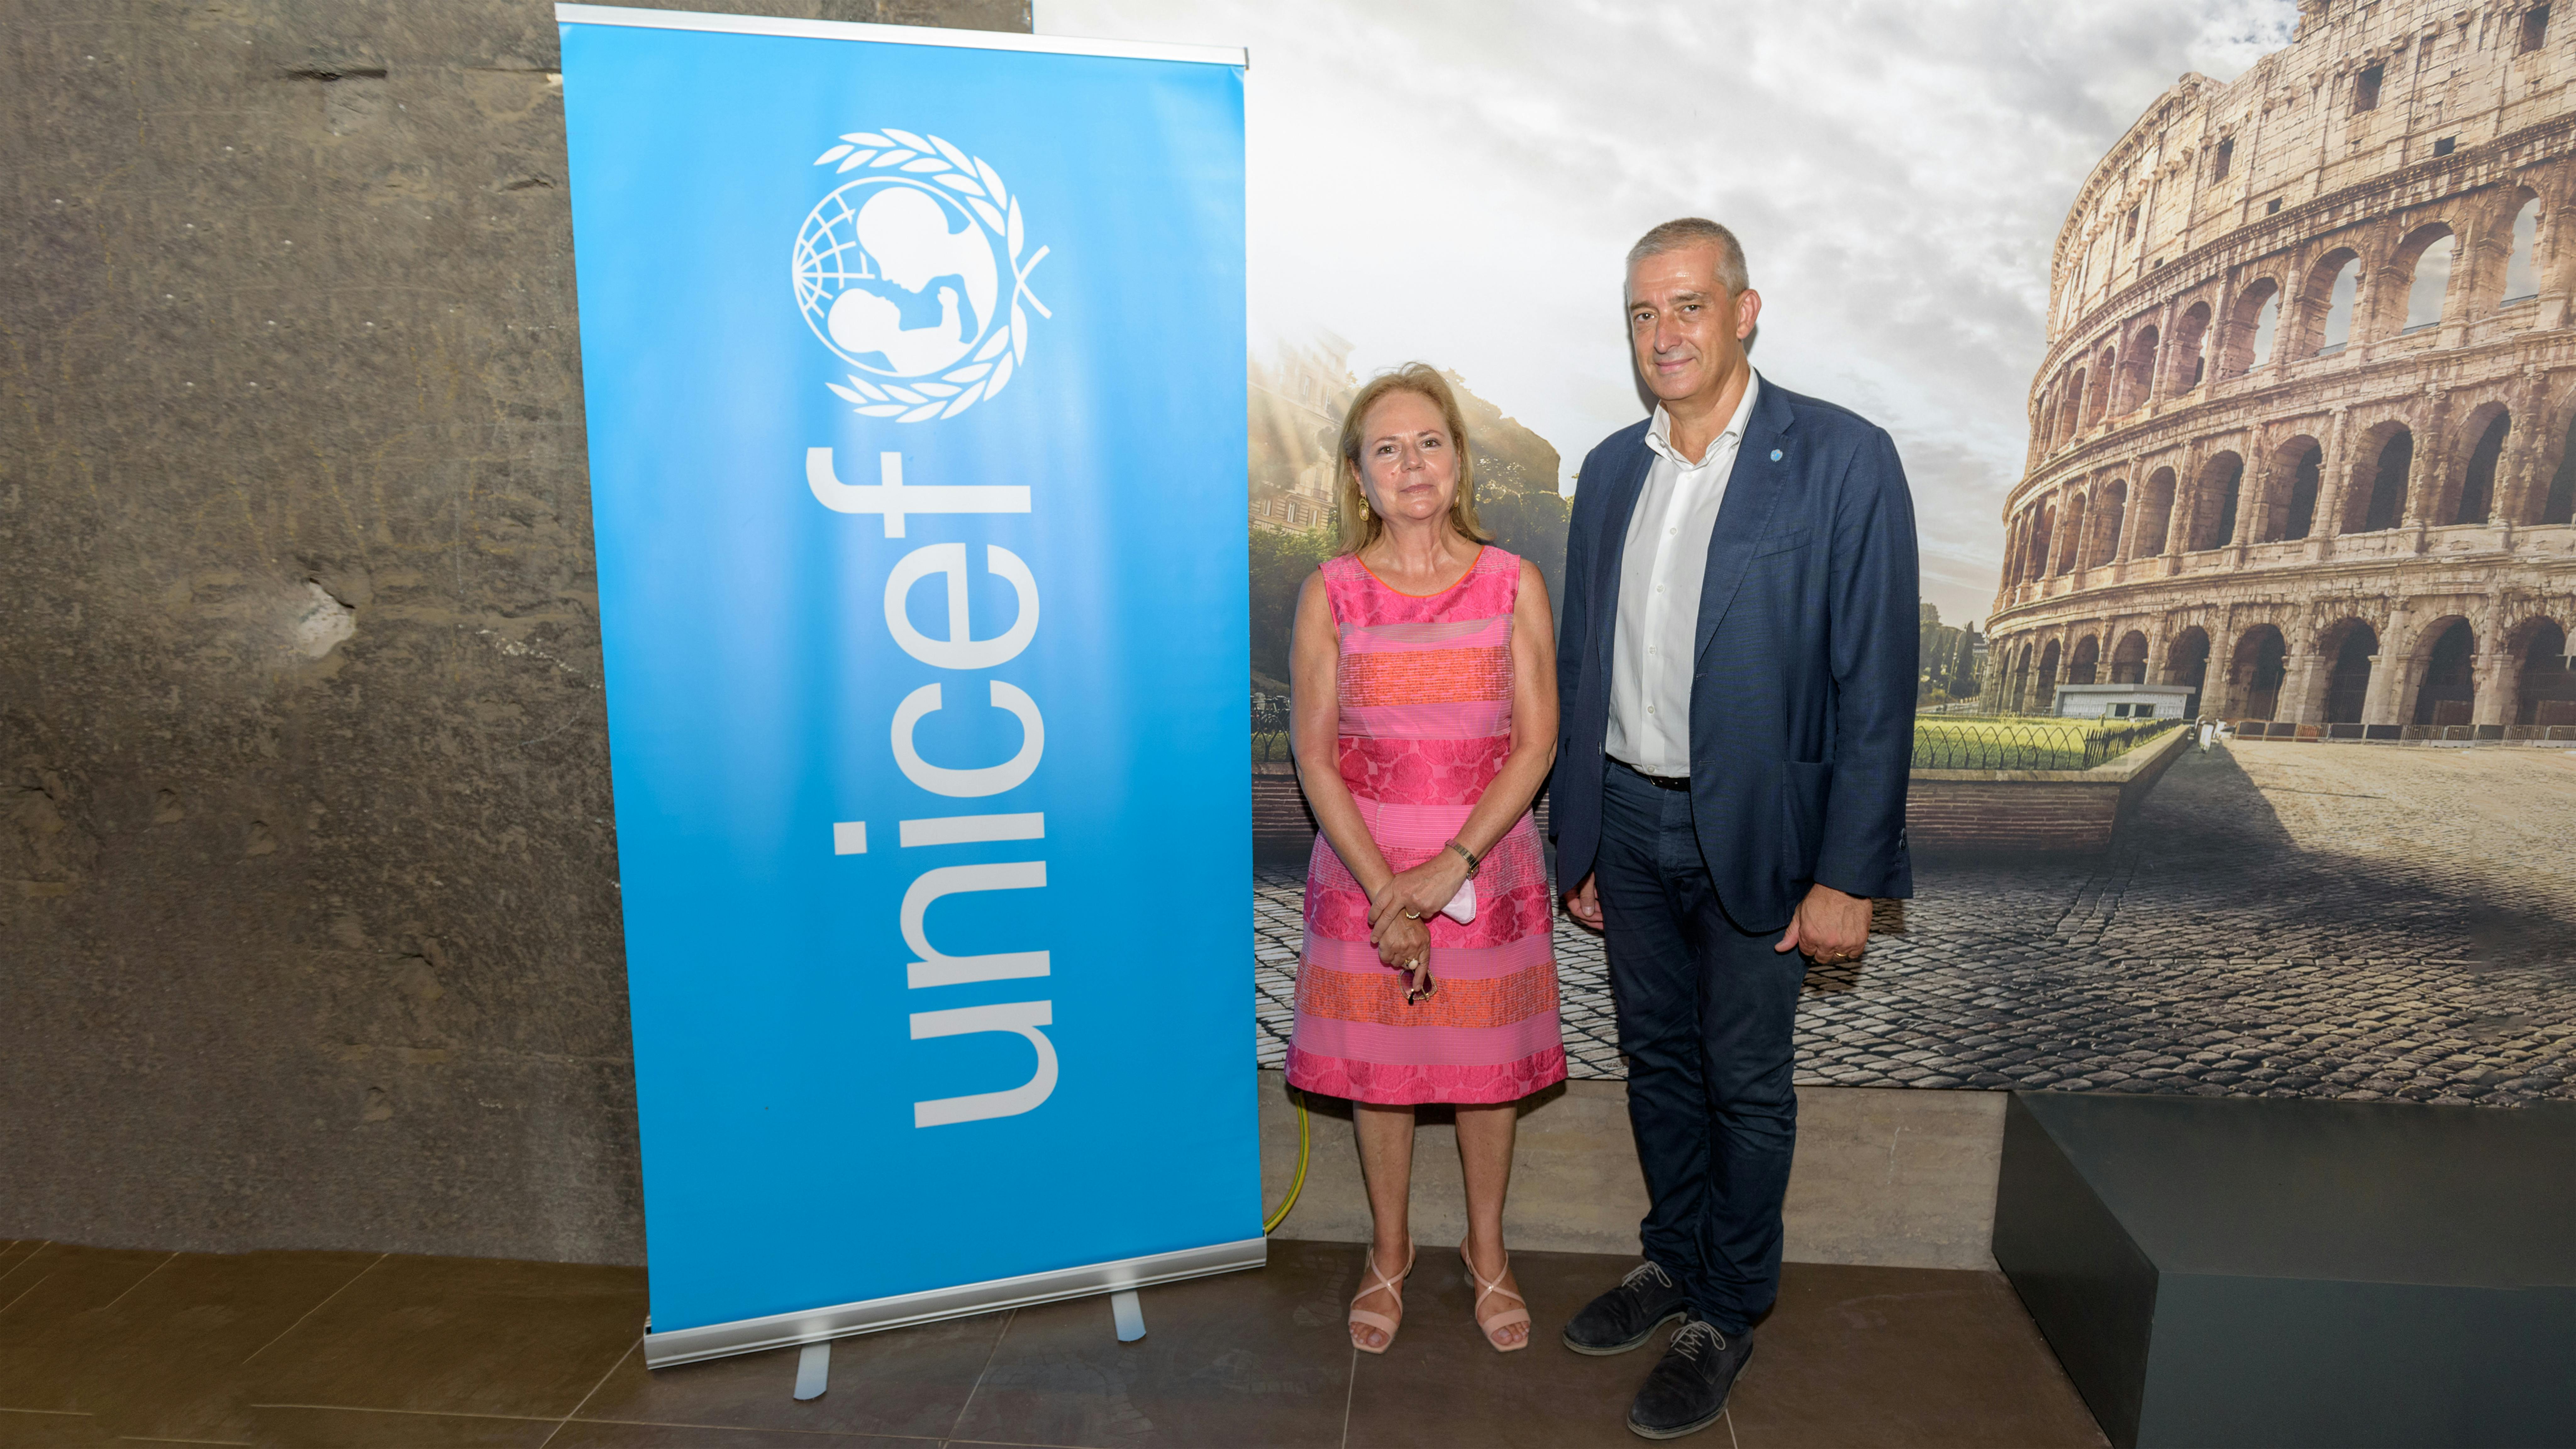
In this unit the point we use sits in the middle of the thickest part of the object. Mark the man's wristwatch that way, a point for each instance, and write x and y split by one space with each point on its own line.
1466 855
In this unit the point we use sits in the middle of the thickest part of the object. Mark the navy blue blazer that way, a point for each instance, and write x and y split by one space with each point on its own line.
1802 701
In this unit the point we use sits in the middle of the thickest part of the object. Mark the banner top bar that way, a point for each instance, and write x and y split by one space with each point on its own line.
631 16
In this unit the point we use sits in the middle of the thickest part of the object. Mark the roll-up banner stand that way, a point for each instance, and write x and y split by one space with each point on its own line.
914 371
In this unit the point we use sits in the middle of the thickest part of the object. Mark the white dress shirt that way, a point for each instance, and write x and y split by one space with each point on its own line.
1653 648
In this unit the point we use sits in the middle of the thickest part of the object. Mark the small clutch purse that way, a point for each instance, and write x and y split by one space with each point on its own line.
1462 906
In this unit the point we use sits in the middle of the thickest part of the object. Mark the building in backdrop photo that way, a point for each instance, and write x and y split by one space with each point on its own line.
525 922
2330 293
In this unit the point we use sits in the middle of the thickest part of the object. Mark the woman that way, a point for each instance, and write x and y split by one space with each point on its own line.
1424 686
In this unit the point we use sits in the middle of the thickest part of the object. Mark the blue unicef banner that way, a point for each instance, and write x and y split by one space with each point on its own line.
914 376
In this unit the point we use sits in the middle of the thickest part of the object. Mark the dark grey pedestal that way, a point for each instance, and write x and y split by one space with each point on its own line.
2280 1272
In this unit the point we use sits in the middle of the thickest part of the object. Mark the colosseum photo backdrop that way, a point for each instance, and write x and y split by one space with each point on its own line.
2244 397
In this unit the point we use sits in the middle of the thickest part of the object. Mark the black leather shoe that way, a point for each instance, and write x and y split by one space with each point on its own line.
1687 1391
1629 1314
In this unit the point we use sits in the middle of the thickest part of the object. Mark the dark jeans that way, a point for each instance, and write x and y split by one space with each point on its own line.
1705 1019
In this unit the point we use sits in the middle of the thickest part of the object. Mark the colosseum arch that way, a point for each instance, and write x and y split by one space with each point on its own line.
2137 371
2215 500
2105 368
2413 286
2545 469
2129 659
2550 495
2187 361
2070 551
2374 497
2466 491
2104 544
2155 515
2187 662
2084 662
2017 697
2070 409
2348 648
2043 532
2044 537
2255 670
2536 685
2043 697
2504 260
2319 322
2289 501
2252 335
2439 680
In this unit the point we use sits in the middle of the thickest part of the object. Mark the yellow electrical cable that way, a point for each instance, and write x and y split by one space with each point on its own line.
1299 1185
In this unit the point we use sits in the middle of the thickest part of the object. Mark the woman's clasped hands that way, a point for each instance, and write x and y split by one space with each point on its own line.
1400 913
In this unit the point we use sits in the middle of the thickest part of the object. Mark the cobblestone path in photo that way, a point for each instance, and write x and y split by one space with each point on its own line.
2280 920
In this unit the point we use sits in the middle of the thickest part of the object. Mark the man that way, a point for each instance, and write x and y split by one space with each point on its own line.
1736 669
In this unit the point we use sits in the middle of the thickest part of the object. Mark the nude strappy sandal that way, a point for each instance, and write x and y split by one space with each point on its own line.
1361 1318
1504 1319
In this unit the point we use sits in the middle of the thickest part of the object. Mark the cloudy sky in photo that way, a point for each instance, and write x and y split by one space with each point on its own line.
1456 180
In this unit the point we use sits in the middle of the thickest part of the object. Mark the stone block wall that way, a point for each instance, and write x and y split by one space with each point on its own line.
308 888
1283 829
2011 815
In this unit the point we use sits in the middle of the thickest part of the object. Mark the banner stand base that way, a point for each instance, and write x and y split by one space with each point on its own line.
815 1325
1127 1314
814 1371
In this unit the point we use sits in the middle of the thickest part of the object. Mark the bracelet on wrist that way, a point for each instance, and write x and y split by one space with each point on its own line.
1466 855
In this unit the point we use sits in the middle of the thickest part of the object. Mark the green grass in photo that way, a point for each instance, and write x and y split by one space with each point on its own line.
2019 742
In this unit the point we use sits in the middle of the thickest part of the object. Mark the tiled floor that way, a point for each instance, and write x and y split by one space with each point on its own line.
351 1351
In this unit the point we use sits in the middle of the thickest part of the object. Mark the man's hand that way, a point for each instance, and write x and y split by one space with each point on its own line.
1830 926
1583 903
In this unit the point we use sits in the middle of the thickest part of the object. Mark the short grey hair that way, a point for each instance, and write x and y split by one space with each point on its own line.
1693 231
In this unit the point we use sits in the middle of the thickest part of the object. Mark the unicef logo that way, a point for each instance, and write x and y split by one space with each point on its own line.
912 274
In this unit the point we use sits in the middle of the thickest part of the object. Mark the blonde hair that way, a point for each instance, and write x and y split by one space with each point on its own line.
1360 524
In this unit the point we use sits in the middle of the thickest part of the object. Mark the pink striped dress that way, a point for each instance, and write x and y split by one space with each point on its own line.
1426 721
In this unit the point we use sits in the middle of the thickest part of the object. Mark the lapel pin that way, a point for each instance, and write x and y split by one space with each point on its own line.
1775 455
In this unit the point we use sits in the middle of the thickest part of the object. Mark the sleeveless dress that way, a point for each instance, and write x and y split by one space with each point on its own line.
1425 690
